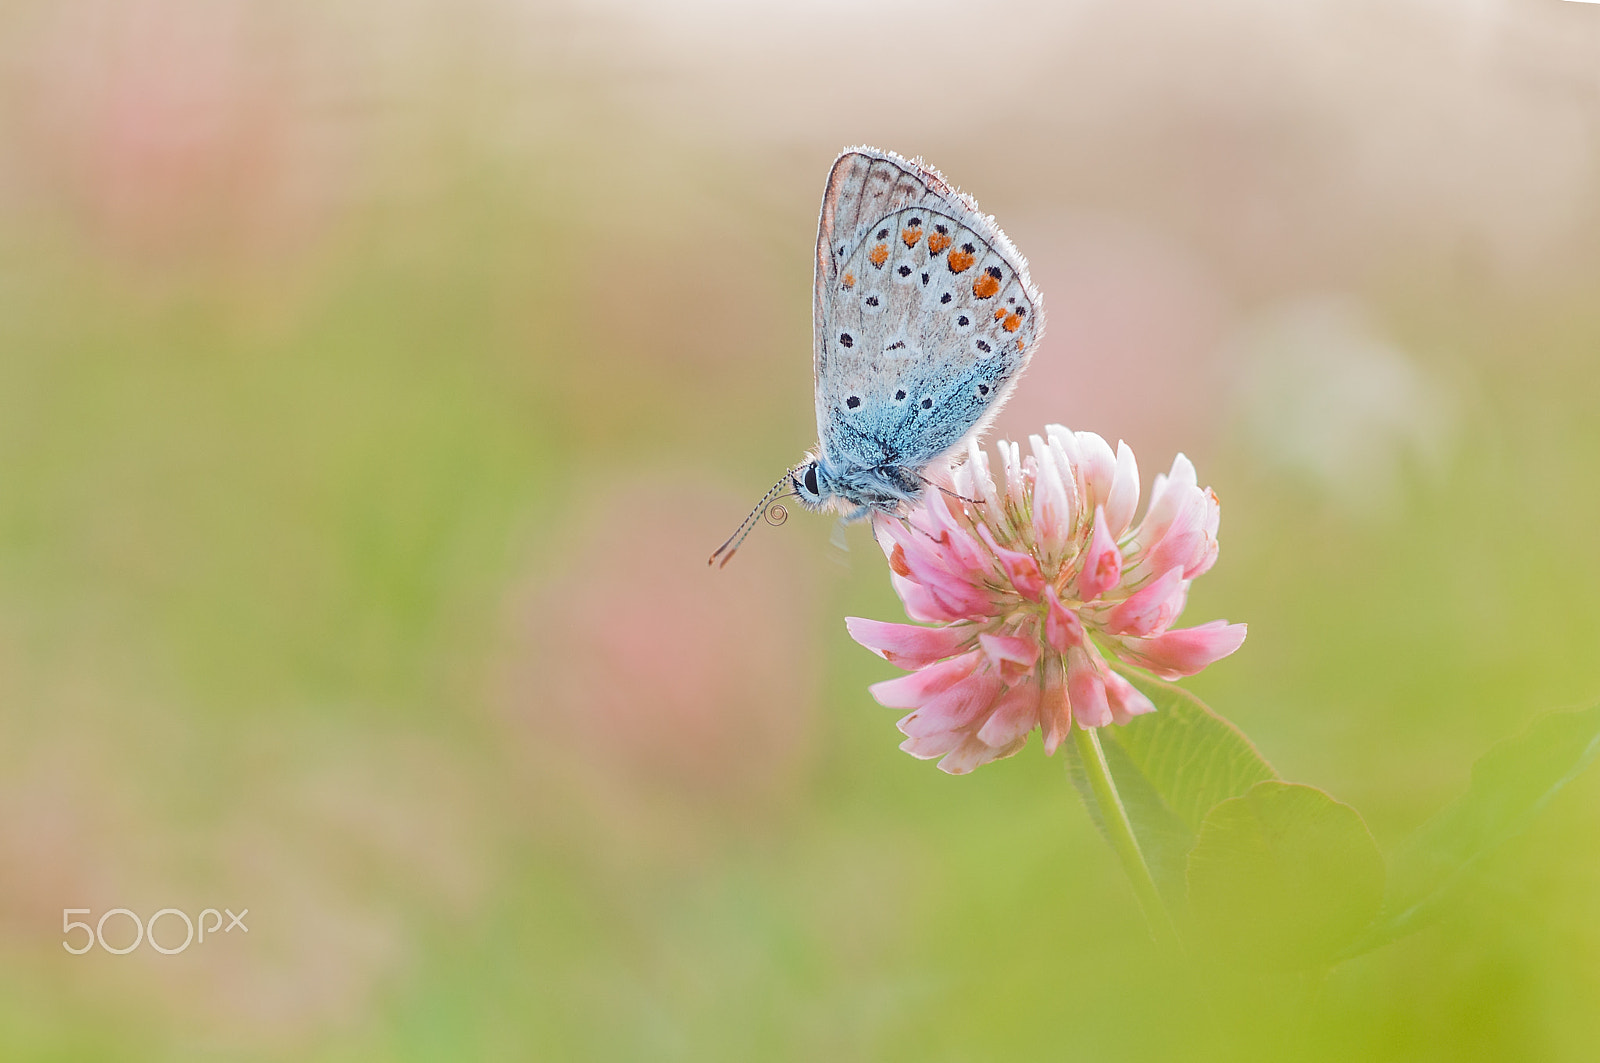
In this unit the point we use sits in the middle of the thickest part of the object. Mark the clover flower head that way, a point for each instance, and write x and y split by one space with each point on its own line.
1028 583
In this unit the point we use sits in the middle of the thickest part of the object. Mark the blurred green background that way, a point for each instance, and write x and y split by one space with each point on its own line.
375 379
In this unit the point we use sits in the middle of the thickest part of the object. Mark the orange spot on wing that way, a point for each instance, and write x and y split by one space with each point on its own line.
1012 321
849 280
1000 313
985 286
938 242
911 236
960 261
879 255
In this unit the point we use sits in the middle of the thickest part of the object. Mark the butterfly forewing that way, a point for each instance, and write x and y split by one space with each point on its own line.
924 313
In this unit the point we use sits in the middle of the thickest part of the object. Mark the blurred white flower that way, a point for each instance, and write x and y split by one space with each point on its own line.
1324 396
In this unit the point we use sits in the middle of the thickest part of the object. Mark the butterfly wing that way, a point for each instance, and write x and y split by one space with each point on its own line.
924 314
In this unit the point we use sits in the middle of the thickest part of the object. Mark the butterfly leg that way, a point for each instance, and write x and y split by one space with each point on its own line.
947 492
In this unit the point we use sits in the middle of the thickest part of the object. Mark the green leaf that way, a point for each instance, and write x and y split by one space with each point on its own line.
1170 768
1510 784
1284 875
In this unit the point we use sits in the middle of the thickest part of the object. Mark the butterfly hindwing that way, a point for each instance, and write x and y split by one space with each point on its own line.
924 311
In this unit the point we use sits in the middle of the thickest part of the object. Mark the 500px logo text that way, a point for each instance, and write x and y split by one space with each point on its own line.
146 931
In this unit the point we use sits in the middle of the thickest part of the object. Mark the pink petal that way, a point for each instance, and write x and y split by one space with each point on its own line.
1065 438
977 464
916 689
1097 468
908 645
956 708
1086 690
1184 651
1203 559
1151 609
1013 716
915 554
974 753
901 547
948 589
960 477
1164 498
1011 461
933 745
1055 711
1062 628
1052 504
1183 543
1064 447
1021 569
1125 700
1124 497
1206 556
921 604
1011 655
930 550
970 754
951 533
1102 563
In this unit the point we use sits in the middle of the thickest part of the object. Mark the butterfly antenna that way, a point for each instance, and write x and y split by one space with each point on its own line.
774 513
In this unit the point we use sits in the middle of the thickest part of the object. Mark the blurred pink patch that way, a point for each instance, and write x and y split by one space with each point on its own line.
183 130
1030 586
662 702
340 843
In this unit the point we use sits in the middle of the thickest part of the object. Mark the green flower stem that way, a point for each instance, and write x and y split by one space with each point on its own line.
1120 833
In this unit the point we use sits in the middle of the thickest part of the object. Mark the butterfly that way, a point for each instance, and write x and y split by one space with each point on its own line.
924 316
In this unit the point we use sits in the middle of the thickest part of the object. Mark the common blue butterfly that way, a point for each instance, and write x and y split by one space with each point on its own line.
924 317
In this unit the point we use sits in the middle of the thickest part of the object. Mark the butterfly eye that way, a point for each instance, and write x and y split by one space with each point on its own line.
811 480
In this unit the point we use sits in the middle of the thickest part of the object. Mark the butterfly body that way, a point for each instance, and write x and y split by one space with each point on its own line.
924 317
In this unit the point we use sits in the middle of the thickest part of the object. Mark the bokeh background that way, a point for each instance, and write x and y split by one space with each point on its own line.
376 377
